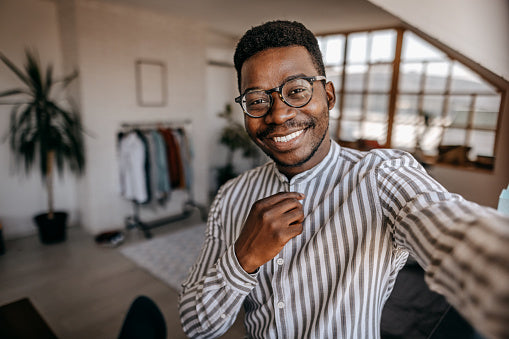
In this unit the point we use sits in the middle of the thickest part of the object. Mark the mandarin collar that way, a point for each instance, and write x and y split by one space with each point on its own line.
310 174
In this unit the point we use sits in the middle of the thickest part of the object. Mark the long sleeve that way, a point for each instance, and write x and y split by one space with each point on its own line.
462 246
217 285
132 171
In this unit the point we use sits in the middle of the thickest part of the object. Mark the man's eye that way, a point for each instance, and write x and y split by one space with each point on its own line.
296 91
259 101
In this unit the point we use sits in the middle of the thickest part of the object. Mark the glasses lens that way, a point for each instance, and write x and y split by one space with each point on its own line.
256 103
297 92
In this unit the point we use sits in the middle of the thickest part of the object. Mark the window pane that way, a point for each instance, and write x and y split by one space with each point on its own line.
415 48
407 123
352 106
322 43
432 105
407 106
335 74
333 49
430 139
350 130
375 124
355 77
454 136
404 136
383 45
374 131
357 47
482 143
380 78
464 80
486 111
436 76
377 107
410 77
334 112
333 128
459 108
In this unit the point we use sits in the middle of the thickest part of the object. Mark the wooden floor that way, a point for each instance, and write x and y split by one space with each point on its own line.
83 290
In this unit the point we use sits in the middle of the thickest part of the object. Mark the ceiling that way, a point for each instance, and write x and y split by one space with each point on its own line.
234 17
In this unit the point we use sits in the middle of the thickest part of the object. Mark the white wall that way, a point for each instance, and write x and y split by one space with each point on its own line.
27 23
103 41
221 79
478 30
110 39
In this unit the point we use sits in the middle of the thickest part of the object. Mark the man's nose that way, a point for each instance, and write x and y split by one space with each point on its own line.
280 112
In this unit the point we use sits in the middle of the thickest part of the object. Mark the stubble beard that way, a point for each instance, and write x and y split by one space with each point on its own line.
309 126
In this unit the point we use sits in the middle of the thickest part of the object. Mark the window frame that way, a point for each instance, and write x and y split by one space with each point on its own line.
394 91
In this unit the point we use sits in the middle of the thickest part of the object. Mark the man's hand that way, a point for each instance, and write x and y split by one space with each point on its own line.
271 223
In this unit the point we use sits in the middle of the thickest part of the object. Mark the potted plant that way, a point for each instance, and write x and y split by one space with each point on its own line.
43 131
234 137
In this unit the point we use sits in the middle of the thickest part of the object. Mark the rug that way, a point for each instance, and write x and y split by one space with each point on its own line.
169 257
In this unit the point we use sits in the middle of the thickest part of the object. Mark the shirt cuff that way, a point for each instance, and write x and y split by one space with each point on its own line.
234 274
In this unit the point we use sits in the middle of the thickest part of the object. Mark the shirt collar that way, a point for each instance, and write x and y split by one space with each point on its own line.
323 166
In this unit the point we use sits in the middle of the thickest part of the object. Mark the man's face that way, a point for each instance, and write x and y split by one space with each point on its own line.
295 138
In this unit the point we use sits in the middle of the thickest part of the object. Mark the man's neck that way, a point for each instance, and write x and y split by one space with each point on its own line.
316 157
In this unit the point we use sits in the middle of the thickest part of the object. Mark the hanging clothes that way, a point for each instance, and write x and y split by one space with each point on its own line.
185 154
152 162
163 174
174 158
132 158
146 165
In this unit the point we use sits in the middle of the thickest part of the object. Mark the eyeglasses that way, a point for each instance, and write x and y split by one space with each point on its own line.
295 92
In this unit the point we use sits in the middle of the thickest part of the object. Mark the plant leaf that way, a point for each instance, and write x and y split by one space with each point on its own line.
15 91
14 69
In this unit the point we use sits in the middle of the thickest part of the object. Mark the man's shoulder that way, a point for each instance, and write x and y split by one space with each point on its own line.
375 156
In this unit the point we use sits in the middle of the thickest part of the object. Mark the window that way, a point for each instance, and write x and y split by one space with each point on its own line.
396 90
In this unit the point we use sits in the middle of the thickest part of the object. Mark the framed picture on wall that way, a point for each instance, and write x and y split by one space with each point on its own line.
151 83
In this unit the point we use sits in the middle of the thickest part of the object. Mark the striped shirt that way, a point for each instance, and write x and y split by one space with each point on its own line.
364 213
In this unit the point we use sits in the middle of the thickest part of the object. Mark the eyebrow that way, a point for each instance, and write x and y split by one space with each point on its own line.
291 77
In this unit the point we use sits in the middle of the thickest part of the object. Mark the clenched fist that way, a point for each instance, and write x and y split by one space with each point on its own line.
271 223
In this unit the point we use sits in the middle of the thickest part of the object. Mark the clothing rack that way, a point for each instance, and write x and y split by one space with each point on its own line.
129 126
189 205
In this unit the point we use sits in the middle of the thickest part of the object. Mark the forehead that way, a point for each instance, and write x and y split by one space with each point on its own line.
269 68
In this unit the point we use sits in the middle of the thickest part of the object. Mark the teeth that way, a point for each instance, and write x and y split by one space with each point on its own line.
288 137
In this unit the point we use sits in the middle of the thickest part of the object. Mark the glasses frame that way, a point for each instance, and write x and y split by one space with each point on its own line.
241 99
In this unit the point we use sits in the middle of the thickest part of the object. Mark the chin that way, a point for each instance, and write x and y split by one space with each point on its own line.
297 161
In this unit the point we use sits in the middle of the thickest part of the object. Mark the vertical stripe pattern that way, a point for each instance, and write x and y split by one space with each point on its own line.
364 212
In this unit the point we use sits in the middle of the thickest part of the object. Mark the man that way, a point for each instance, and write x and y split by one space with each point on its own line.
311 243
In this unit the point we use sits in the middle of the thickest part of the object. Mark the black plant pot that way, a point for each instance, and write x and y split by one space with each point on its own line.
51 230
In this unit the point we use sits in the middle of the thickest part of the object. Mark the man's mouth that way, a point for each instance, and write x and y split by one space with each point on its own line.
289 137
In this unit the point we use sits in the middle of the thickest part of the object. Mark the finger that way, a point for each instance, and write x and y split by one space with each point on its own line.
284 206
293 229
274 199
293 217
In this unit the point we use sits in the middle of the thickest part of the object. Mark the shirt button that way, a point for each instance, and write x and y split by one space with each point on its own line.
223 316
280 261
280 304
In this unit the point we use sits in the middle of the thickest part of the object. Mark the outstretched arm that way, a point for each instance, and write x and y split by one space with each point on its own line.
463 247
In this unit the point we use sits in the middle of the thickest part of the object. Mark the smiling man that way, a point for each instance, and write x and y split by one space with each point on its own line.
310 243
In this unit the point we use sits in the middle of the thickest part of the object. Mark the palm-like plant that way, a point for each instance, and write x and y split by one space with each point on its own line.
40 129
234 137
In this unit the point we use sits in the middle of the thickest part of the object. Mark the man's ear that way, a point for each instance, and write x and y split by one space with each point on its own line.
331 95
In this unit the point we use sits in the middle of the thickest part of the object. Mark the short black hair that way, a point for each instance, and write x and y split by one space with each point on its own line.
277 34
